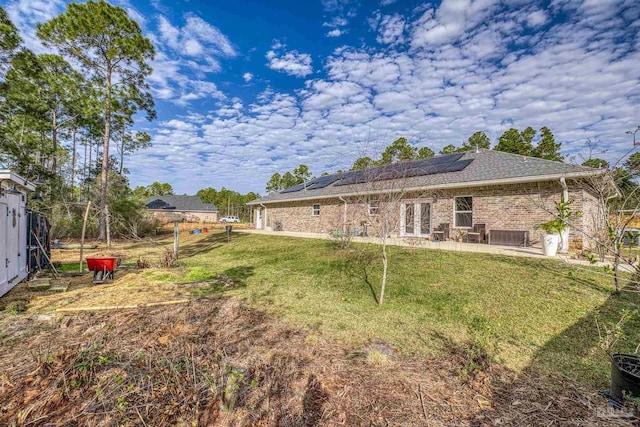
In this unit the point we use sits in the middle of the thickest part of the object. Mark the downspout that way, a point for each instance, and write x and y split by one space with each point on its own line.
264 217
344 219
564 244
565 189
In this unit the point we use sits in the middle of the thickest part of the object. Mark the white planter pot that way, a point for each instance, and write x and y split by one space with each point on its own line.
564 242
550 244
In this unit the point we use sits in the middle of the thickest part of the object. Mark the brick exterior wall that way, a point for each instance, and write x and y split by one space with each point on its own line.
505 207
593 223
298 216
184 216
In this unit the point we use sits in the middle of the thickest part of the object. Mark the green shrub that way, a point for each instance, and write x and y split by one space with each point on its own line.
16 307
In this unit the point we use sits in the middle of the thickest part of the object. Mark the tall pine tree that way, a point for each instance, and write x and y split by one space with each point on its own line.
114 54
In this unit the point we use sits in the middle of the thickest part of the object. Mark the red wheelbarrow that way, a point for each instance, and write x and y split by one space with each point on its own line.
102 268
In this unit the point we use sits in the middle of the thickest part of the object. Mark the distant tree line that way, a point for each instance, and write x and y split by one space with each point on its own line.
154 189
511 141
279 182
228 202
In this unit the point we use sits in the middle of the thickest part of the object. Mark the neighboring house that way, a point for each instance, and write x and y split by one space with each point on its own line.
499 191
182 208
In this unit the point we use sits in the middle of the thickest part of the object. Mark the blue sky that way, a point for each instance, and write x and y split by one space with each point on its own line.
248 88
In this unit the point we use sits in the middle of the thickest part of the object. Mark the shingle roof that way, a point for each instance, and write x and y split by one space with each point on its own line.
180 203
485 167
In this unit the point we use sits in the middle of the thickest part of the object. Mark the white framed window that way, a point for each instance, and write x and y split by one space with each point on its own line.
316 210
374 207
463 211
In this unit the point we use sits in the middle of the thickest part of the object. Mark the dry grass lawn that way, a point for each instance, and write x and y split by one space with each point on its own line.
279 331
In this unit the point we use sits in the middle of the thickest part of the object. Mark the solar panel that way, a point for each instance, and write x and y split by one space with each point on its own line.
435 165
293 189
323 181
432 166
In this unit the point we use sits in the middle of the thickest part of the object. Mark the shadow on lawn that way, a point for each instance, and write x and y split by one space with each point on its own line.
228 280
572 357
571 352
208 243
240 274
358 264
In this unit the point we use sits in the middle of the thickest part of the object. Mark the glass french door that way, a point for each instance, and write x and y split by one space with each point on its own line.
409 219
425 219
415 219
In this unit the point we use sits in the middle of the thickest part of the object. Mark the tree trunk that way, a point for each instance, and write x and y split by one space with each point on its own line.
122 148
54 143
108 220
90 165
385 264
84 228
73 157
105 160
122 156
616 263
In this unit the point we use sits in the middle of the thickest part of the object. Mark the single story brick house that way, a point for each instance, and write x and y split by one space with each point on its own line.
506 195
182 208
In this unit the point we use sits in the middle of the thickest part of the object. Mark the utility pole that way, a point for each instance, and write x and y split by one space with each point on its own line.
635 144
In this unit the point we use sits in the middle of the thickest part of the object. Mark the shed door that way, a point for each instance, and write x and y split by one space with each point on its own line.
23 250
13 237
3 248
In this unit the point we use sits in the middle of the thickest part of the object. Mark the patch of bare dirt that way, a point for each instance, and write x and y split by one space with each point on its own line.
221 363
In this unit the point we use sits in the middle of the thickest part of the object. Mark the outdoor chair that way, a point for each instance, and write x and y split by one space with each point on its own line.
441 233
477 234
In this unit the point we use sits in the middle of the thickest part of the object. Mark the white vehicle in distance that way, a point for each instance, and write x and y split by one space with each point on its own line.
229 219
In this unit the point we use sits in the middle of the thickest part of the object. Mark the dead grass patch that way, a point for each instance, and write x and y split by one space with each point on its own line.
219 363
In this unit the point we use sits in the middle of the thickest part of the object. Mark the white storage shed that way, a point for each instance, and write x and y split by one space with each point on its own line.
14 253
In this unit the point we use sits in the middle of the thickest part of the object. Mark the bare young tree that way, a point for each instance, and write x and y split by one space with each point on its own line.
614 213
342 226
378 209
617 205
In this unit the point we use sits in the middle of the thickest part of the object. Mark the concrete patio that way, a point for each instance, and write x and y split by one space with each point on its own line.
412 242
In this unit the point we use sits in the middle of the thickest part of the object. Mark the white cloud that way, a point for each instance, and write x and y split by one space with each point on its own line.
193 47
473 65
136 15
289 62
184 58
169 33
335 5
179 125
536 18
209 35
450 21
26 13
390 29
434 96
336 22
197 36
341 11
174 79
